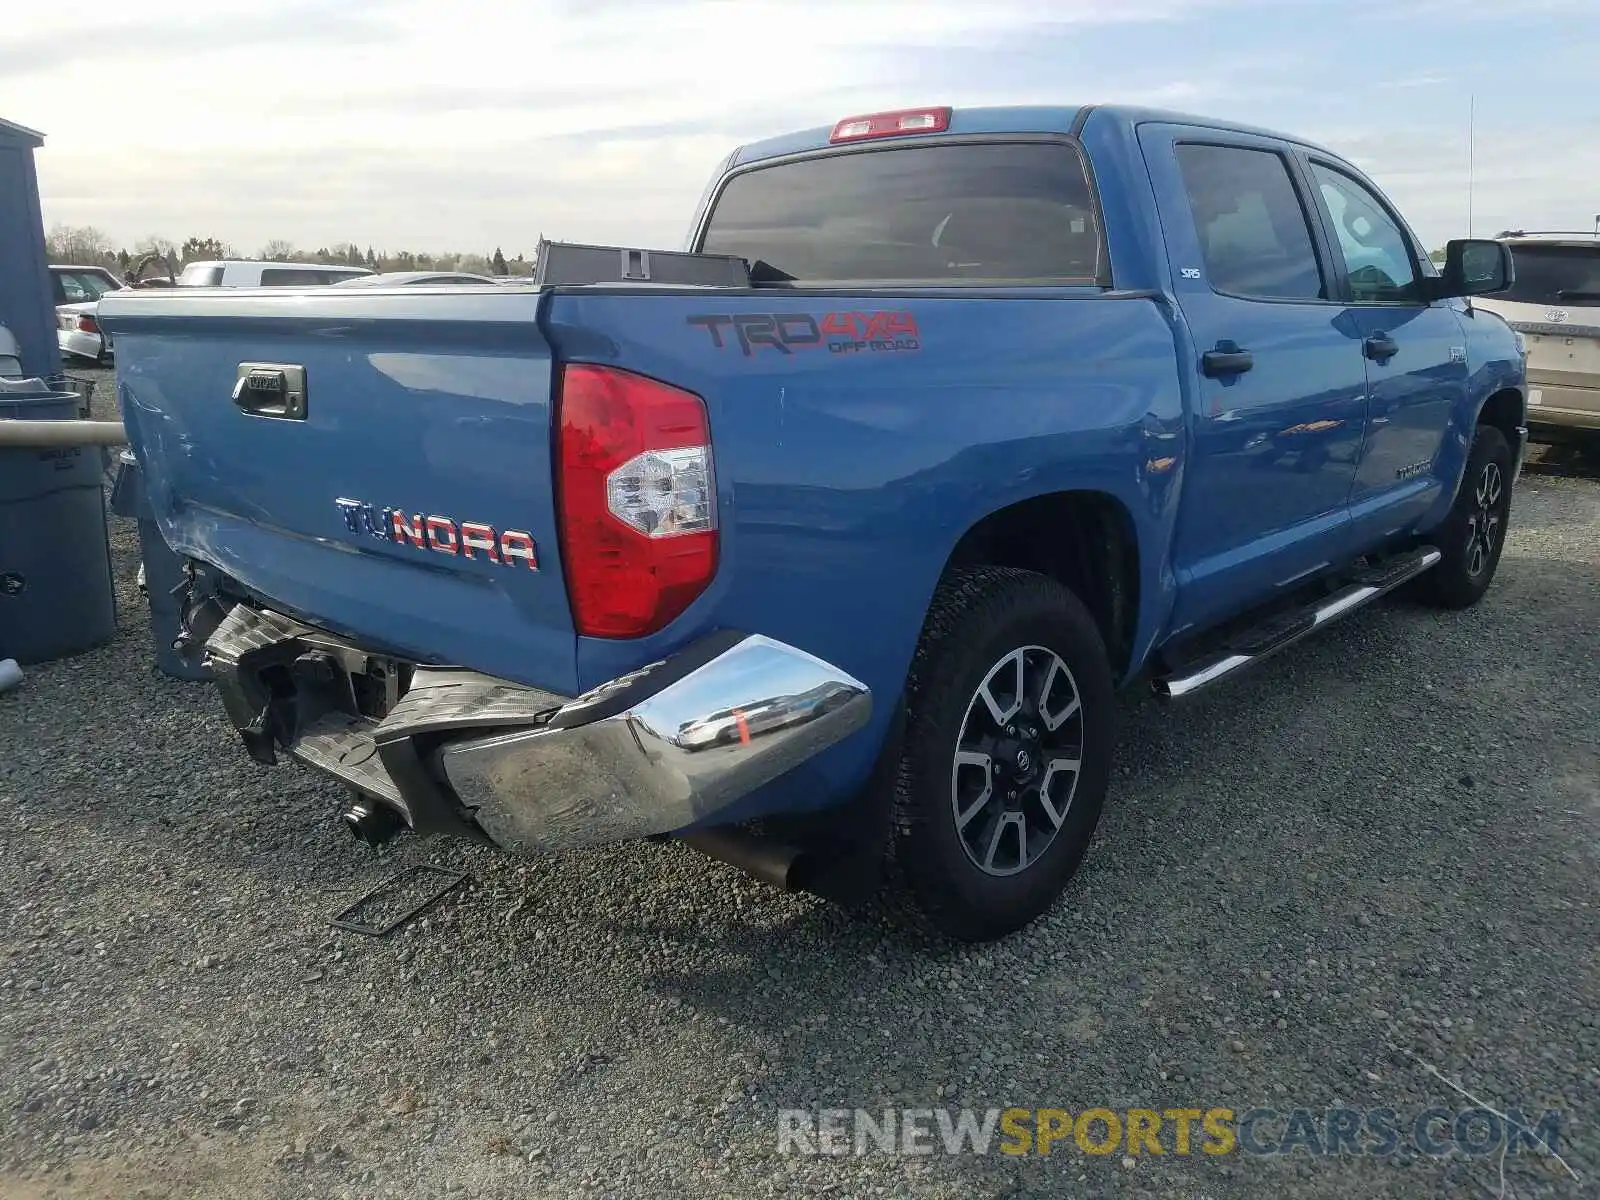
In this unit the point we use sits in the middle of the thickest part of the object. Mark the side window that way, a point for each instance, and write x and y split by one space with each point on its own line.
72 287
297 276
1377 253
1253 231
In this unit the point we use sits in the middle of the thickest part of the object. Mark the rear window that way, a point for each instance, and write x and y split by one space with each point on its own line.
200 276
299 277
1019 212
1555 275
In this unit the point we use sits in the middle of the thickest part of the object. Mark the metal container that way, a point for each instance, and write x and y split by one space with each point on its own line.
56 596
163 569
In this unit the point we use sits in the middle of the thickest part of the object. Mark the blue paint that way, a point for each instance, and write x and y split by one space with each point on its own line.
26 307
843 481
56 595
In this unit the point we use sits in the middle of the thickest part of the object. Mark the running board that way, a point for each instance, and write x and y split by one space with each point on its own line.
1253 645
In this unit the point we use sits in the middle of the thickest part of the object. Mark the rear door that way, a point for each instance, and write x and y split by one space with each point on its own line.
1415 352
401 496
1281 400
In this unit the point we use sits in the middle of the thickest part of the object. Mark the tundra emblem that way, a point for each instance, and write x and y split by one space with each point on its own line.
1556 316
440 534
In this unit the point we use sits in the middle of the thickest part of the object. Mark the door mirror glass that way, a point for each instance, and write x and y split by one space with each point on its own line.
1476 267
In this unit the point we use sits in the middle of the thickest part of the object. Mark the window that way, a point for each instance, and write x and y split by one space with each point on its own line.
936 213
1253 232
1555 275
299 277
82 285
1377 253
200 275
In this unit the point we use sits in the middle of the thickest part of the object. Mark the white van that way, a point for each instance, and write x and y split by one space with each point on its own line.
232 273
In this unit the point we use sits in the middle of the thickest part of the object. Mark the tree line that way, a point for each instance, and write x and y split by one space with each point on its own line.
84 245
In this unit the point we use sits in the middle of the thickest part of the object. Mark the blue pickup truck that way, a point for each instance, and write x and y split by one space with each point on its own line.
832 569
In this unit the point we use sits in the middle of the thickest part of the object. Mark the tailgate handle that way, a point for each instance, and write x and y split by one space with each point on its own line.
271 390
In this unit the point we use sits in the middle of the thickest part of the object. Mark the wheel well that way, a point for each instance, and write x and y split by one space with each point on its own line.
1084 540
1503 410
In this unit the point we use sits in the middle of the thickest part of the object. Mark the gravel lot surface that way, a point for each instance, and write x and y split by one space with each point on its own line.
1382 842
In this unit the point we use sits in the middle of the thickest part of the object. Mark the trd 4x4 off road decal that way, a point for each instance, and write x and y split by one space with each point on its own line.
838 332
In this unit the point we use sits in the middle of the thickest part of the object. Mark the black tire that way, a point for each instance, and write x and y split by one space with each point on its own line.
982 618
1473 535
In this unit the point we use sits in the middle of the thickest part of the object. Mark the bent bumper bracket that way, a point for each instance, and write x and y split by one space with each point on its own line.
649 753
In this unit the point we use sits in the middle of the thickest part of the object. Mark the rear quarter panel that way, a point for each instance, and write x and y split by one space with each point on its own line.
846 473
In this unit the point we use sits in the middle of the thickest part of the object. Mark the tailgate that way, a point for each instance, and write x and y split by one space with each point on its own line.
377 463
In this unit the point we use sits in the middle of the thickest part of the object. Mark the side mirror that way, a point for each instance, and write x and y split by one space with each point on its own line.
1474 267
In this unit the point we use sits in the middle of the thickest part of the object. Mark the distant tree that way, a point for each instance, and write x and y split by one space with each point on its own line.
159 246
499 262
278 250
204 250
1436 256
372 259
124 260
82 245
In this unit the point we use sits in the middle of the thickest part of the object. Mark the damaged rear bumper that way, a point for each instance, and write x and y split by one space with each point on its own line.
455 751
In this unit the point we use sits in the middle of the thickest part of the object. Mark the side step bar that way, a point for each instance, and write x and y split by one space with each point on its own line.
1264 640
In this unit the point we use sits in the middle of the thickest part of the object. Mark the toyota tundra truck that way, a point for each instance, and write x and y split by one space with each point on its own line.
832 564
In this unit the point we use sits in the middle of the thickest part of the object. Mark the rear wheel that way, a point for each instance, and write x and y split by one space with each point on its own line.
1006 756
1473 535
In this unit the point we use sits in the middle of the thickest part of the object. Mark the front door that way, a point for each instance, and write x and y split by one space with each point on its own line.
1280 405
1416 360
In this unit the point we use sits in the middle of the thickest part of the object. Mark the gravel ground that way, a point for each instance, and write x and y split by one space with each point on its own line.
1382 844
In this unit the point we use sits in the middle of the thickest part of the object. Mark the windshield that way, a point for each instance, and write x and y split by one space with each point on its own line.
1016 211
1555 275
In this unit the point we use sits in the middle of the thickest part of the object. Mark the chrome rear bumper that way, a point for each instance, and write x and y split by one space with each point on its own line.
649 753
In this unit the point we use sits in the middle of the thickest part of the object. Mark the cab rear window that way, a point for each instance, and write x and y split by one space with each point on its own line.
1019 212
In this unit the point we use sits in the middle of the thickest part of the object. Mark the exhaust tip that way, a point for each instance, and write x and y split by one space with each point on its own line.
371 822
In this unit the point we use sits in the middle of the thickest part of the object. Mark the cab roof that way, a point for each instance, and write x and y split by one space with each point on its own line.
1001 119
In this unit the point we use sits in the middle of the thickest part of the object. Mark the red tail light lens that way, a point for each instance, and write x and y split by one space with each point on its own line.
87 324
635 499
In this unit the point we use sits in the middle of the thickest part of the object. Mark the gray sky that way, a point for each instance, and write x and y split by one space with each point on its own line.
467 124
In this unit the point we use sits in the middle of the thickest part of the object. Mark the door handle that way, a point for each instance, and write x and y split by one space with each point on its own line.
1226 359
1380 346
271 390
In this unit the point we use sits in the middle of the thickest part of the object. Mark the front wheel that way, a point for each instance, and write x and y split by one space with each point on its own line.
1472 536
1007 753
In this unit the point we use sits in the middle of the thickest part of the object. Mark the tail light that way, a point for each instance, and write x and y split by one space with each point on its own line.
891 124
87 324
635 498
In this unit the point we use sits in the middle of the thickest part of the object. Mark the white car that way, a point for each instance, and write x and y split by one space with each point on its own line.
240 273
77 292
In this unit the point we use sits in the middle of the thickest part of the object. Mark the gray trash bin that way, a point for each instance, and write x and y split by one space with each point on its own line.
56 597
163 569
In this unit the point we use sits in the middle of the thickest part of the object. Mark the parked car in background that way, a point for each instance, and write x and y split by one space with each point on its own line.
1554 303
417 279
239 273
76 292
